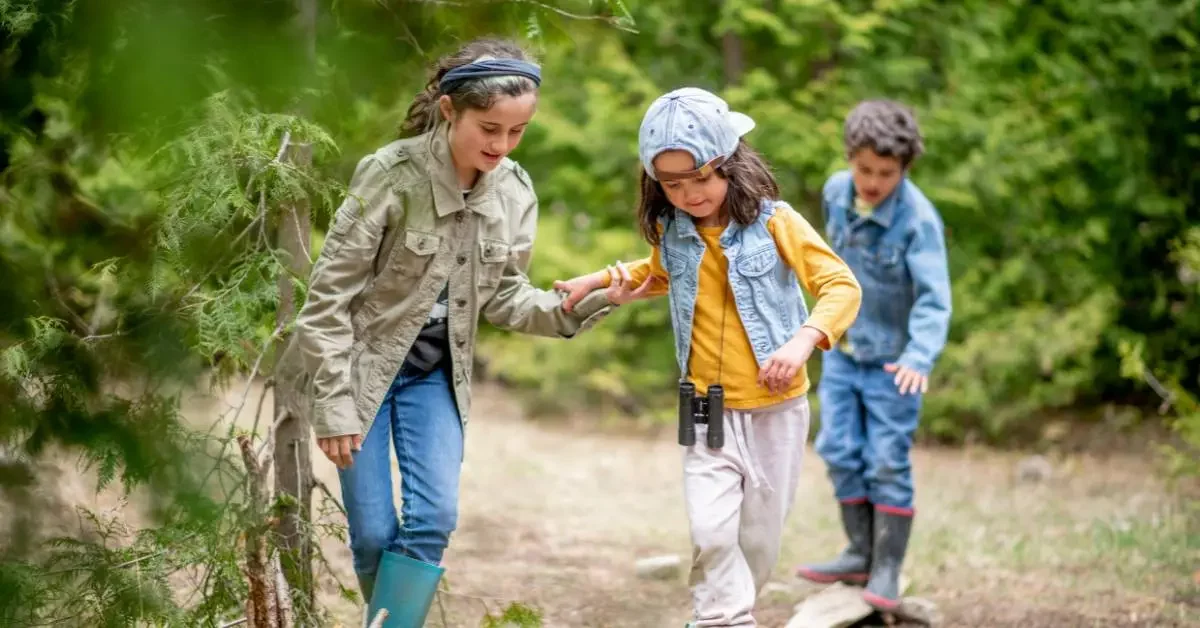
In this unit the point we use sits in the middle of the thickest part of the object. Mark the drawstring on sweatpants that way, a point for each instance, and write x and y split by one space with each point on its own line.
743 436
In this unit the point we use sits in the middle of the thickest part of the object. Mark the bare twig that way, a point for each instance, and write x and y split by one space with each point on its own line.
296 461
1168 397
236 622
267 458
325 489
254 371
300 238
612 20
75 318
412 39
129 563
283 146
267 385
238 409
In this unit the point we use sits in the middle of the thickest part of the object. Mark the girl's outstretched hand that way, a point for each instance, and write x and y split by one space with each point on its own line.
578 288
620 292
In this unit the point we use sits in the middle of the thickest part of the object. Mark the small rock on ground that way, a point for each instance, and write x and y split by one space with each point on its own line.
1034 469
841 606
836 606
659 567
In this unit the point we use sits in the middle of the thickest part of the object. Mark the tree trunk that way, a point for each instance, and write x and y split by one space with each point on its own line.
262 602
735 59
293 463
293 440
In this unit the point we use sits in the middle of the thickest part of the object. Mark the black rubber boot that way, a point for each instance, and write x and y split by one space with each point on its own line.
892 529
854 563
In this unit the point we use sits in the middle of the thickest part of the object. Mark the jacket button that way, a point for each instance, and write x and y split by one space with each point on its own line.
461 302
459 217
424 242
462 259
461 343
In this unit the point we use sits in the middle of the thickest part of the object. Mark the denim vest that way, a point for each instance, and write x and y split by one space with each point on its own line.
765 289
898 255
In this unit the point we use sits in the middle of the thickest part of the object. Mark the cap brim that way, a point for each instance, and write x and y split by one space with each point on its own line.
741 122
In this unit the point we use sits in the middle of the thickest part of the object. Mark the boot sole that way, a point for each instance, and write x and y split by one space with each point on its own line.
880 603
829 578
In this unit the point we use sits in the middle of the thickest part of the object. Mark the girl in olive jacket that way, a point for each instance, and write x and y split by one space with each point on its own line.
437 229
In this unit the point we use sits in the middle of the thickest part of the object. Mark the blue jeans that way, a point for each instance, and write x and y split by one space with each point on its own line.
866 432
420 415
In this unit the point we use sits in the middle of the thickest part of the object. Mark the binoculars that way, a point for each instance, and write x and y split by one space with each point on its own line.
709 409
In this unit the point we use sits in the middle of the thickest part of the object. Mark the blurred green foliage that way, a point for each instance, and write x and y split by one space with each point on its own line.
1062 141
1061 149
139 194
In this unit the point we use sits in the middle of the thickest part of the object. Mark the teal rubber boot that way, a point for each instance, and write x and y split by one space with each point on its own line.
405 587
366 586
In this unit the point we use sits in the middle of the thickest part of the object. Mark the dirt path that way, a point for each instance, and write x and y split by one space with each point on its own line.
555 517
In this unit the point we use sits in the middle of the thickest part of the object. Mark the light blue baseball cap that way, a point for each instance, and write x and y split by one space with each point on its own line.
693 120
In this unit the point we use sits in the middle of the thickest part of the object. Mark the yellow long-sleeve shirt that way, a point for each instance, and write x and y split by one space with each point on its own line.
820 271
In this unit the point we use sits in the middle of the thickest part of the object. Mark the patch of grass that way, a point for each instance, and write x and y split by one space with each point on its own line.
516 615
1164 545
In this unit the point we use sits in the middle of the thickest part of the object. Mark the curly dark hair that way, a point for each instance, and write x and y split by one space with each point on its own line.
750 181
886 127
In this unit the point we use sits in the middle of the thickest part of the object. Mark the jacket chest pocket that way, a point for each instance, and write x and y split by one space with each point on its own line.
758 263
676 265
493 257
886 262
837 237
412 259
756 269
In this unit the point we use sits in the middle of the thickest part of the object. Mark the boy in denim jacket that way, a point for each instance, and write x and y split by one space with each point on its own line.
891 236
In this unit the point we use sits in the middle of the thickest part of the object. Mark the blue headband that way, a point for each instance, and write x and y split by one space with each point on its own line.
489 67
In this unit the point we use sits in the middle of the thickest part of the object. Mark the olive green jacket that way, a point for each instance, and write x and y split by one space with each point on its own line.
403 231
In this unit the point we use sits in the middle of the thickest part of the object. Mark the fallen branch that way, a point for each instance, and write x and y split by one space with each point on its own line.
283 595
379 619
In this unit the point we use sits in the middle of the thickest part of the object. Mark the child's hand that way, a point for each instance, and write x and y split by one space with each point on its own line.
908 380
339 449
619 292
782 367
579 287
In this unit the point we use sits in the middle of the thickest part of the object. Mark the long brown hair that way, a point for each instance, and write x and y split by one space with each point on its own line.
750 181
479 93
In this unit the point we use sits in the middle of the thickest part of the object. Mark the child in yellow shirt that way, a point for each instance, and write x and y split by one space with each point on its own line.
731 257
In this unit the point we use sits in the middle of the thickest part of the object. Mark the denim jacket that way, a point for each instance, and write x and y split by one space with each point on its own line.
765 290
898 255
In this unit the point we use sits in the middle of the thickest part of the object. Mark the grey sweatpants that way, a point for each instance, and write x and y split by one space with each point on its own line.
738 498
